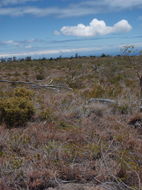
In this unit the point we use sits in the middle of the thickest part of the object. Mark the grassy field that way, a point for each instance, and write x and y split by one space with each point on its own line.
71 141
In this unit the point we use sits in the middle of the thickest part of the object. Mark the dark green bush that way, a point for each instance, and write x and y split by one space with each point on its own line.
15 111
40 76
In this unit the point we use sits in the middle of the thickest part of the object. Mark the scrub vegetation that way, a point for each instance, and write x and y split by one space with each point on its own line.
61 137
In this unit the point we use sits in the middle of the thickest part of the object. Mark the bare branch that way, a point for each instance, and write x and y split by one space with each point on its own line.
34 85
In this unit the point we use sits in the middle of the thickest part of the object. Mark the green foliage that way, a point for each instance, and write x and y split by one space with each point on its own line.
75 84
66 126
40 76
16 163
23 92
40 73
18 109
122 109
94 150
97 91
46 115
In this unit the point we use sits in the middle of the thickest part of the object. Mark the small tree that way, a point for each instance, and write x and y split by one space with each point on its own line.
129 51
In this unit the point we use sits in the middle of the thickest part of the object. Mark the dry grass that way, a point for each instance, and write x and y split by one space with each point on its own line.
71 140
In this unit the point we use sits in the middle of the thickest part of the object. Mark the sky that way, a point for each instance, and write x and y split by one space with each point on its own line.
52 28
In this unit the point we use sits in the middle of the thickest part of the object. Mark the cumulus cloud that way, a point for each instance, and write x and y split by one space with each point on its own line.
95 27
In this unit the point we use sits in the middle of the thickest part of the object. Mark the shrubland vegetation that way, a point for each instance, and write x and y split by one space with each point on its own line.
56 138
17 109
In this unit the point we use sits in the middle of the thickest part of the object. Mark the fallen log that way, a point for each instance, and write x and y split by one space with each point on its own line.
102 100
37 86
18 82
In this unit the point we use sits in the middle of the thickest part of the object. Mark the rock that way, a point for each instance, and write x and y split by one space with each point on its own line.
106 186
74 186
136 120
140 108
71 187
102 100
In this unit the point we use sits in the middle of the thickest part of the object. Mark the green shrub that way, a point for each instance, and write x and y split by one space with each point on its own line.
122 109
40 76
16 110
96 92
23 92
46 115
75 84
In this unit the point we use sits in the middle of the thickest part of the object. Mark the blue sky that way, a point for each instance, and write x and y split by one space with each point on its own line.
45 28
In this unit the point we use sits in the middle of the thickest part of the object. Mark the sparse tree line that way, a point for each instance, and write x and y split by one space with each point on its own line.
126 51
29 58
13 59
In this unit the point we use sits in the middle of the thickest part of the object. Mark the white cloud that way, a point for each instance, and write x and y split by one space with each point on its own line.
111 4
23 43
95 27
20 11
10 2
123 5
9 42
28 47
79 8
48 52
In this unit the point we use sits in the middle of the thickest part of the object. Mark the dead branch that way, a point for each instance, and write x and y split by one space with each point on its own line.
140 83
102 100
38 86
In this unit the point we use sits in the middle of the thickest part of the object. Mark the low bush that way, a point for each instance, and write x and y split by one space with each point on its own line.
16 110
97 91
40 76
23 92
46 115
121 109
